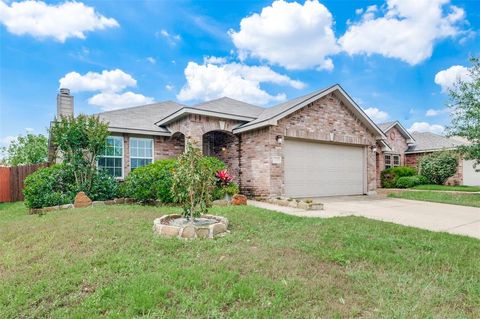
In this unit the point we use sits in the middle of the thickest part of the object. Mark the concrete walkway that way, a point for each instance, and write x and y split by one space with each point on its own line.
452 219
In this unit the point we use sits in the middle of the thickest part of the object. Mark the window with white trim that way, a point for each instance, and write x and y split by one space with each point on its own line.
112 158
141 152
392 160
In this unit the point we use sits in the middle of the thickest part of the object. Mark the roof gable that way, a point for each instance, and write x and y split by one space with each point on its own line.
387 126
271 115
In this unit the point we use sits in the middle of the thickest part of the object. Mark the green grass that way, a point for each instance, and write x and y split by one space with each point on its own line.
440 197
106 262
459 188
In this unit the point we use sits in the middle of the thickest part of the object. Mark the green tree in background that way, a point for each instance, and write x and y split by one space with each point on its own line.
25 150
465 107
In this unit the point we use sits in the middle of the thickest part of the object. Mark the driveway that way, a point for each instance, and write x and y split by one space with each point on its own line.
452 219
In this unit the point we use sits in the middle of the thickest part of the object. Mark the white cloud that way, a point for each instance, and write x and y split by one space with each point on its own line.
110 84
214 60
435 112
151 60
213 80
426 127
171 38
62 21
29 130
107 81
112 101
292 35
376 114
449 77
169 87
407 30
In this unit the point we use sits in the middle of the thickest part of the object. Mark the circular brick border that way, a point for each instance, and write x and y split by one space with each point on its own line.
161 227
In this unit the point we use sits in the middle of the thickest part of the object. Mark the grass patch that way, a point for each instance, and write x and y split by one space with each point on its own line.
106 262
459 188
440 197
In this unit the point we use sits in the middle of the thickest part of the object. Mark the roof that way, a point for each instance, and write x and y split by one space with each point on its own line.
433 142
152 118
385 127
231 106
140 119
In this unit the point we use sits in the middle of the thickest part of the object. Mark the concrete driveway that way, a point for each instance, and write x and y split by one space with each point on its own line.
432 216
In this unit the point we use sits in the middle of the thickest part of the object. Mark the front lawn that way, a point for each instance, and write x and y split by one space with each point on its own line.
440 197
458 188
106 262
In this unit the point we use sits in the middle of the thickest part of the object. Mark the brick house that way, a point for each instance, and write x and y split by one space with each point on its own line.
319 144
406 149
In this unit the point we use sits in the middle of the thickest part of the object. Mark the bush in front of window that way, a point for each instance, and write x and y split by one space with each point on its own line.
439 166
411 181
390 176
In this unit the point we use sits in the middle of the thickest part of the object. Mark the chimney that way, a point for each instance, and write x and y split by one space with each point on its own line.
64 103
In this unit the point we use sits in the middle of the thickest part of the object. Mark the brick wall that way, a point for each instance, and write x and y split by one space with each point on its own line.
398 144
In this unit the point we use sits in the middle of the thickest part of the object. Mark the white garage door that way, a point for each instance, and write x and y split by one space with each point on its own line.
470 176
316 169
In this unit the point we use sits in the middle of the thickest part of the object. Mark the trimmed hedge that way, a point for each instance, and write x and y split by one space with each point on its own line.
390 176
411 181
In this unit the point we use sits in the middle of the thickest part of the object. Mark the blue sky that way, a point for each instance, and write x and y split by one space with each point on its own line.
395 58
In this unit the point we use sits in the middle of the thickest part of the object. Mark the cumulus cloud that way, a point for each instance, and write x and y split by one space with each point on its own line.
426 127
376 114
151 60
404 29
213 80
110 84
449 77
289 34
109 81
112 101
62 21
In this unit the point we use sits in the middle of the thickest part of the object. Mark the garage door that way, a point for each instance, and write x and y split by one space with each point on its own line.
317 169
470 176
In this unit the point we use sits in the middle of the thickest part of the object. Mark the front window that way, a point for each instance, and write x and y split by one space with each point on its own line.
112 158
392 160
141 152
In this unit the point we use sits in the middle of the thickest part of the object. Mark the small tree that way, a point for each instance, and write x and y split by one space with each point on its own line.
439 166
193 183
25 150
465 106
80 140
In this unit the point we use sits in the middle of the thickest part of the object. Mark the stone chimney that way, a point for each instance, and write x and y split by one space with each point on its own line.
64 103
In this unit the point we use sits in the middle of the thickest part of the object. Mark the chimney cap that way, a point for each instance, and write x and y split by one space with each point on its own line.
64 91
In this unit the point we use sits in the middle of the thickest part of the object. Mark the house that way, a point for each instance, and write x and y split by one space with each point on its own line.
406 149
319 144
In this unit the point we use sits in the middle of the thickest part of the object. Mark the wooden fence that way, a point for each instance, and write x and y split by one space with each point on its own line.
11 181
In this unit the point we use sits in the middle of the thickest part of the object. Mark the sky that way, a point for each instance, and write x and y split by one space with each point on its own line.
396 58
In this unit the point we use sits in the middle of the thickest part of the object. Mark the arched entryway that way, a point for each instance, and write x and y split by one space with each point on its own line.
178 142
224 146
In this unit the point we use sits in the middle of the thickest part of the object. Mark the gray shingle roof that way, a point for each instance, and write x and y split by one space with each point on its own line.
140 117
230 106
430 141
385 126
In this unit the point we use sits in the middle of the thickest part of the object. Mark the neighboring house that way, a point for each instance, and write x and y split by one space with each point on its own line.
406 149
319 144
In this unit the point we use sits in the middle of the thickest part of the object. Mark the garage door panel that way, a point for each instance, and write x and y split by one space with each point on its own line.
470 176
316 169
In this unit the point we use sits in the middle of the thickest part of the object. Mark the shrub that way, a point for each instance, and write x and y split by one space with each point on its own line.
50 186
220 191
213 164
151 182
389 176
439 166
411 181
104 187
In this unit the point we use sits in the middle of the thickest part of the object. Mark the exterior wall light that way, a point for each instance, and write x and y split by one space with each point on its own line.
279 139
373 148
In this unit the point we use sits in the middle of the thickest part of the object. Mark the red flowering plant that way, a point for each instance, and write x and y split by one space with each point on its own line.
225 185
